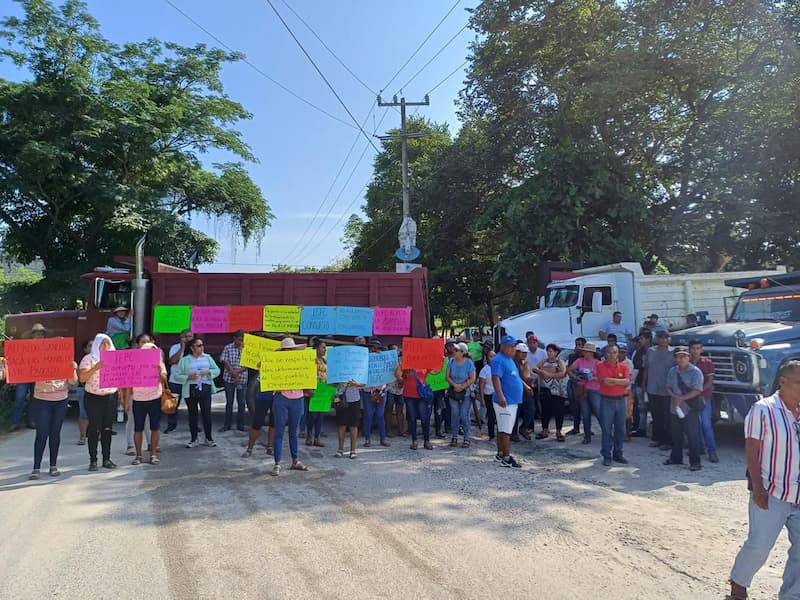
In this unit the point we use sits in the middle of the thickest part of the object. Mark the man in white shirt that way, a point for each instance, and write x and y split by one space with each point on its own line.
616 327
174 356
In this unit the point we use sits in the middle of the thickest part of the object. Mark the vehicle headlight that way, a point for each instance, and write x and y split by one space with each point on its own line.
741 367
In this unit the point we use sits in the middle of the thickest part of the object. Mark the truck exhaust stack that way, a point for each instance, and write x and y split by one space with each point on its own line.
140 290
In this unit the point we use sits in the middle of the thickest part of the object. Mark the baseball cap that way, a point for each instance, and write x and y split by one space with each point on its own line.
463 347
681 350
521 348
509 340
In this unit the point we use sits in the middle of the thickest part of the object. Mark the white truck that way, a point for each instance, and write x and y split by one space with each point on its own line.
581 306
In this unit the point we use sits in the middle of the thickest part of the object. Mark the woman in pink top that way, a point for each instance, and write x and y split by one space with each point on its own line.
587 387
147 403
49 407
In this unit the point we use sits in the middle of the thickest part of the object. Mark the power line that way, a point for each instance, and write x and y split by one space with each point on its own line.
453 72
256 68
321 74
434 57
421 44
332 53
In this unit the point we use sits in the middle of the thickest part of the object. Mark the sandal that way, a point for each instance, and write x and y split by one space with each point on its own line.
82 442
247 453
54 472
276 470
413 445
339 453
453 443
154 460
560 438
353 454
541 436
298 466
270 451
318 444
465 444
367 444
131 451
137 460
34 474
309 441
427 445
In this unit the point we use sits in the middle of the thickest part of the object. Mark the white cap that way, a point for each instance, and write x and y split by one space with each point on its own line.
521 347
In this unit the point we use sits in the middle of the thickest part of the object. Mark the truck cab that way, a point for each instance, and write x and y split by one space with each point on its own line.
761 333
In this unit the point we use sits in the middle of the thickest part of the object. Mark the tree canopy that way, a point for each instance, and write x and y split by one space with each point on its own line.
101 143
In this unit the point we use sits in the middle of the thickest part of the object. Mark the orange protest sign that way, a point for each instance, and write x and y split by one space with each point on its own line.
422 353
39 360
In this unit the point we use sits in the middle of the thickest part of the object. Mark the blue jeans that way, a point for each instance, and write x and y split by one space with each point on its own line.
48 416
707 428
613 413
459 414
21 392
417 408
765 526
287 411
529 411
80 393
372 410
590 406
313 421
172 420
239 392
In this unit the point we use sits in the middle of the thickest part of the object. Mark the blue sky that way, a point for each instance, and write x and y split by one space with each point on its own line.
299 149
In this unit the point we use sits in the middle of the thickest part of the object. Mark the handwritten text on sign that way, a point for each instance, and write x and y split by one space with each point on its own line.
130 368
171 319
210 319
254 349
392 321
281 319
422 353
39 360
347 363
289 370
318 320
246 318
353 320
382 366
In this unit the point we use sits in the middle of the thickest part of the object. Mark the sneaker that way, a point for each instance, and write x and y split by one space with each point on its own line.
385 443
170 428
621 460
639 433
211 443
34 474
513 462
695 467
712 457
192 444
93 465
498 457
107 464
427 445
504 463
606 462
574 431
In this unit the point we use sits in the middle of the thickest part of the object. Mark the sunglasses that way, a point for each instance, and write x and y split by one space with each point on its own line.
200 345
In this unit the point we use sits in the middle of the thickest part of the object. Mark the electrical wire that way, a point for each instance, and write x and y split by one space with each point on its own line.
321 74
453 72
434 57
256 68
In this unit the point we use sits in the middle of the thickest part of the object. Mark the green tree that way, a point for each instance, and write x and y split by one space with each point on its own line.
103 143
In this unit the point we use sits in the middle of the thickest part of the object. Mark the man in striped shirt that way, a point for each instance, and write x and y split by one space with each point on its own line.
772 429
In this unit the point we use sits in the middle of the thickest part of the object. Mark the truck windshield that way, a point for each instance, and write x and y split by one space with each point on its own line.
562 297
109 294
768 307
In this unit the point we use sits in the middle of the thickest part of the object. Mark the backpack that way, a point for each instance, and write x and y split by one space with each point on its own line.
423 389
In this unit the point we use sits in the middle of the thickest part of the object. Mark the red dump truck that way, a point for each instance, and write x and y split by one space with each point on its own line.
151 282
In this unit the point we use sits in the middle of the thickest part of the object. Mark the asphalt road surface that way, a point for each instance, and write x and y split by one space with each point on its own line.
395 523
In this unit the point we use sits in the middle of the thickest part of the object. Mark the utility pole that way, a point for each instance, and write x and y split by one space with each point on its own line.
407 235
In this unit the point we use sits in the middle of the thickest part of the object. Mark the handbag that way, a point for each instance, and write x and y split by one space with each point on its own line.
457 396
376 396
169 401
696 403
423 389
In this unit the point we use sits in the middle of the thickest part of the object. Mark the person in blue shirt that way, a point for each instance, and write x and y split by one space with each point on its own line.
507 398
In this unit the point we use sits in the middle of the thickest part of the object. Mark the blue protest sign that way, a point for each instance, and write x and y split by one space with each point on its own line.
318 320
382 366
354 320
347 363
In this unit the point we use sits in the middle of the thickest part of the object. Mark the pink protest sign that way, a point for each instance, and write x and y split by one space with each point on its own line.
392 321
130 368
210 319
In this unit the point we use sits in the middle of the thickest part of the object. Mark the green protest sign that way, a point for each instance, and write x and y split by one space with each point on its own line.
171 318
323 398
439 381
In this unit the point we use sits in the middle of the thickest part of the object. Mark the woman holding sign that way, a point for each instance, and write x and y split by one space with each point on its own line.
196 373
147 406
49 407
288 407
101 403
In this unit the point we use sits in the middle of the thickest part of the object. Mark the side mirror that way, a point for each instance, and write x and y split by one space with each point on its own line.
597 302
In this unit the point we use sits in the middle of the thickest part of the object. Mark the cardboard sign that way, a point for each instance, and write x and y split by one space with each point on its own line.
438 381
254 348
130 368
353 321
318 320
209 319
246 318
281 319
475 350
392 321
289 370
382 366
171 319
348 363
422 353
47 359
322 399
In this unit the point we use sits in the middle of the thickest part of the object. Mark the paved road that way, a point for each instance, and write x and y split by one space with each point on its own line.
392 524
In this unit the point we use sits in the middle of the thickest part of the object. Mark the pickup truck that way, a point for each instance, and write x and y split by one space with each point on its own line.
761 334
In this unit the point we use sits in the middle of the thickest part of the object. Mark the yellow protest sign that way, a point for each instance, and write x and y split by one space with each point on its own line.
254 348
289 370
281 319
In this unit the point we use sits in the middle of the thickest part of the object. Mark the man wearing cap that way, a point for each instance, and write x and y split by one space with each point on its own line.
615 380
657 363
507 397
685 387
23 390
524 425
